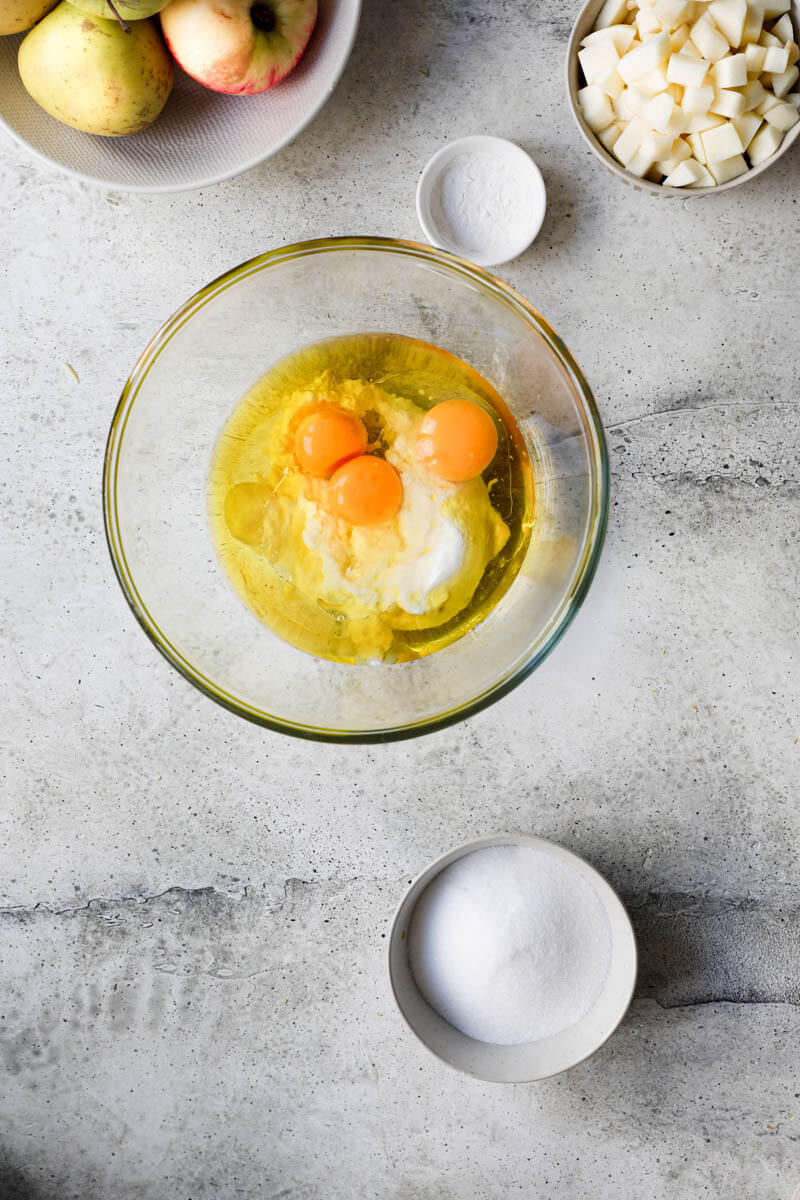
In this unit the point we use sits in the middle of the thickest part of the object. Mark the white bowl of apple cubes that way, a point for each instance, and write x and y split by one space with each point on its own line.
680 96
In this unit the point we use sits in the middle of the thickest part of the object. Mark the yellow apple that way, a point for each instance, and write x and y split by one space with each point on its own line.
16 15
94 76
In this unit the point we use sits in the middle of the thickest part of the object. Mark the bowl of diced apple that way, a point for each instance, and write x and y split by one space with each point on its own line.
686 96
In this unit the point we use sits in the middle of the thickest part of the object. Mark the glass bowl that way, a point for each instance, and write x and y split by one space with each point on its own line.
183 389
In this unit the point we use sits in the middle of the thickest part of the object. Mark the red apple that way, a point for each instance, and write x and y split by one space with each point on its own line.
238 46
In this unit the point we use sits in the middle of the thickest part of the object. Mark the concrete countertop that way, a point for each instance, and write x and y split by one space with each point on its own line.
195 1002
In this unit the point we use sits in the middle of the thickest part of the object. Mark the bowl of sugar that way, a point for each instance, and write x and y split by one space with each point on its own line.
512 959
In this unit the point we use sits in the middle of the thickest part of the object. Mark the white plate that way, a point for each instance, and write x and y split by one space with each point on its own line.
531 1060
201 137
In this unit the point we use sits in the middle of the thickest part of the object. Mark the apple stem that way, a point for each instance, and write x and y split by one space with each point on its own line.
110 4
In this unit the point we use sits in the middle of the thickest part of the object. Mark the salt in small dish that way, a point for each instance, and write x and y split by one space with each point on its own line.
496 209
530 1061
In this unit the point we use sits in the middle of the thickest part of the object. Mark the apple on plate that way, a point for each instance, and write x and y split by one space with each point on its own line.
237 46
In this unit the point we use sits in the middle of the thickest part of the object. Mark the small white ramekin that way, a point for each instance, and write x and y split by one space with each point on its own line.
518 160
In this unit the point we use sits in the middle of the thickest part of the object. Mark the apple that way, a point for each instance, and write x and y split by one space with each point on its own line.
237 46
16 15
120 10
92 75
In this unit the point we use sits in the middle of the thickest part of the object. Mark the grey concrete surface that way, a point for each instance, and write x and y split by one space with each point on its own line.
194 999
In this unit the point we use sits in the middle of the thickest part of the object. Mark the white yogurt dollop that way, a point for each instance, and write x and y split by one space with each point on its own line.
404 565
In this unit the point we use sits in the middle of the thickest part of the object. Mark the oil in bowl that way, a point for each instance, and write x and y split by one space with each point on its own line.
371 498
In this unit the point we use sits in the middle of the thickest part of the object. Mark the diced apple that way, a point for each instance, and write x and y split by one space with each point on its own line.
764 144
610 134
611 13
640 164
695 140
794 98
783 28
730 72
657 113
687 71
596 107
620 35
629 104
702 123
711 43
647 22
697 100
782 115
721 142
706 178
768 39
752 24
645 58
690 51
657 144
769 101
678 38
630 140
747 126
679 152
653 82
729 17
776 8
794 52
728 103
612 85
676 91
598 60
783 84
671 13
753 94
776 59
685 174
729 168
754 57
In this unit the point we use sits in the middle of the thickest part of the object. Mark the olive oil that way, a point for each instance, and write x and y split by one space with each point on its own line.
411 372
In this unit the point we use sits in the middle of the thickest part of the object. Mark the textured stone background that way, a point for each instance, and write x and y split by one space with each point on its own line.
194 999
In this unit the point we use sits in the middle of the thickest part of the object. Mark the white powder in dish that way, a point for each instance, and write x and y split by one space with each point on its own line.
510 945
481 204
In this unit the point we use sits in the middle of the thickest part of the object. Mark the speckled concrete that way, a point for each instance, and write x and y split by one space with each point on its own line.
194 996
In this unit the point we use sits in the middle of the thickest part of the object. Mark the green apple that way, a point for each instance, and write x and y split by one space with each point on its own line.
92 75
123 10
16 15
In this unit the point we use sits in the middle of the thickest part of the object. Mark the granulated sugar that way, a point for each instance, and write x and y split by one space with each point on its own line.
510 944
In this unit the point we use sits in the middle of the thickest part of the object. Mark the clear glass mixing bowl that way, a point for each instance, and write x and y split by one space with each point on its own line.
180 394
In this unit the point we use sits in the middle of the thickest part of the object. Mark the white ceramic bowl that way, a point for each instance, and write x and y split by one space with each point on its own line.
584 25
201 137
518 160
533 1060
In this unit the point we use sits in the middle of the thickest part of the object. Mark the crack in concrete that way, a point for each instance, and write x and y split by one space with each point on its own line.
247 891
695 948
689 409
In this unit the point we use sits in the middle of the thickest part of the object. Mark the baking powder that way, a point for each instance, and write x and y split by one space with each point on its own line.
481 203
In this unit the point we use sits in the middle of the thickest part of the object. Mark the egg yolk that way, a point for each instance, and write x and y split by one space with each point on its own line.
327 438
457 440
365 491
